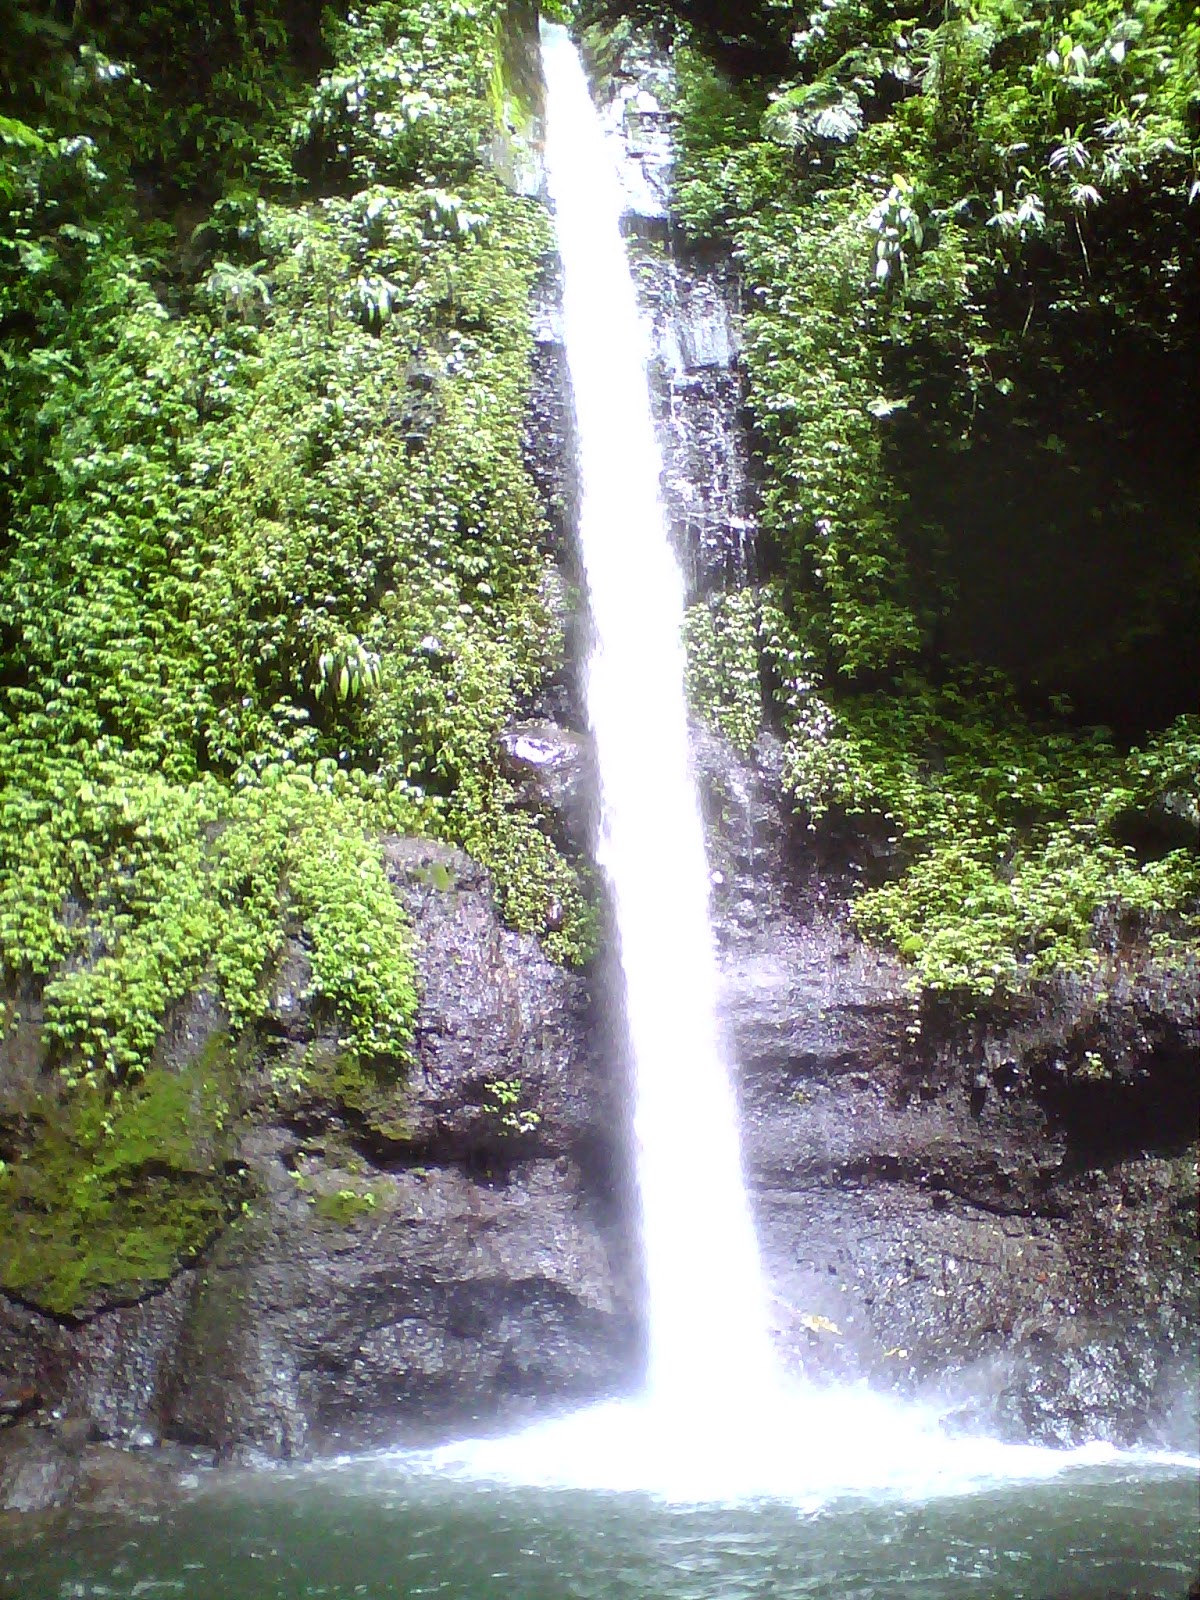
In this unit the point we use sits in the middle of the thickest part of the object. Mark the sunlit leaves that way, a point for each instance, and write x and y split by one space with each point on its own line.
724 683
349 671
899 228
247 489
1011 138
813 112
237 291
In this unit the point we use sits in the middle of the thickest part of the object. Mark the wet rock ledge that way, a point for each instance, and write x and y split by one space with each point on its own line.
992 1210
443 1254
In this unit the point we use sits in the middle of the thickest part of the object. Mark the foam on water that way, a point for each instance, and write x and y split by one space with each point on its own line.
810 1449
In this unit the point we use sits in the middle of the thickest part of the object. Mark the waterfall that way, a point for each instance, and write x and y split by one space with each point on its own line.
707 1304
717 1420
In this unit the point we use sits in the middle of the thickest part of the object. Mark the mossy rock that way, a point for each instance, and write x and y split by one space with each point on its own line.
112 1193
369 1091
345 1206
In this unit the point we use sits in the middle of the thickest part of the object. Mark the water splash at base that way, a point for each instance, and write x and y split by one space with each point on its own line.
809 1449
718 1423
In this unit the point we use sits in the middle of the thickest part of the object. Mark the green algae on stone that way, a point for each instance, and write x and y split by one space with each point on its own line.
367 1089
111 1195
345 1206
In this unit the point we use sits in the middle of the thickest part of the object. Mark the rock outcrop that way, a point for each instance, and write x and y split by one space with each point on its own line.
996 1211
552 770
442 1253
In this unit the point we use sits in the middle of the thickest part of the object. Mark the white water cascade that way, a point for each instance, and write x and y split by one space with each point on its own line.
717 1419
707 1303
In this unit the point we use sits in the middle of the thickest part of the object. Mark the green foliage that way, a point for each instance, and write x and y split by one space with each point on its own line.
360 949
181 94
503 1102
721 635
272 571
124 891
1008 832
408 99
921 215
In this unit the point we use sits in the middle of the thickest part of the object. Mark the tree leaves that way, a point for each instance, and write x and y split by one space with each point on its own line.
996 834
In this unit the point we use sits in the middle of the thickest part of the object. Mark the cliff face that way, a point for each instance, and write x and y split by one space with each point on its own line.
992 1205
958 1207
444 1256
958 1211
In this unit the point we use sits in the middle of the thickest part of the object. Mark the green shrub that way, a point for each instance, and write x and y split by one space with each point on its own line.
920 216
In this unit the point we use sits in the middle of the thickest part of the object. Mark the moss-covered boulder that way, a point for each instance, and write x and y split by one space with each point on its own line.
103 1196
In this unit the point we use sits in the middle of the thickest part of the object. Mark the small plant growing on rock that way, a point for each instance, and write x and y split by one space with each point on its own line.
1093 1068
504 1103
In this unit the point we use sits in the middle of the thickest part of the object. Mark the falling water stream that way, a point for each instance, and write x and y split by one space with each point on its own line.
722 1479
707 1303
717 1419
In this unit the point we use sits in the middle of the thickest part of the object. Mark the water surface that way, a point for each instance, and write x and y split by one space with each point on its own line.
368 1530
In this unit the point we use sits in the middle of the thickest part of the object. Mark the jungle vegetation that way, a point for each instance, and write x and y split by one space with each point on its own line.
967 233
272 570
273 573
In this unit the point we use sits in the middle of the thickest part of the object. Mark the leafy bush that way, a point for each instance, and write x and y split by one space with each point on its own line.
722 638
272 573
953 226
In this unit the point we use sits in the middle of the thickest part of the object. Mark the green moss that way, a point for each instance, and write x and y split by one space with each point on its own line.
366 1088
345 1206
111 1195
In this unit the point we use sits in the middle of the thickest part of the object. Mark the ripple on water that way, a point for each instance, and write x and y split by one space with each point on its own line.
370 1530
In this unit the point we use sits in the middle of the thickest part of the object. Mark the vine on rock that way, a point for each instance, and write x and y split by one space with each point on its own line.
966 235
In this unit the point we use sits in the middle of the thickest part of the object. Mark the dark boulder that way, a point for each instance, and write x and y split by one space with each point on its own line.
38 1472
434 1249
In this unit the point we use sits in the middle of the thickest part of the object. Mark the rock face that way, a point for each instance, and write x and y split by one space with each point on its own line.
441 1255
997 1213
553 771
692 303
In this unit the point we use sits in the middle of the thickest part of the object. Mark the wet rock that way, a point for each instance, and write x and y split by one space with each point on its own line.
425 1248
17 1403
999 1212
37 1472
711 496
516 156
450 1302
440 1254
554 774
550 457
288 1009
1011 1240
692 301
114 1481
634 87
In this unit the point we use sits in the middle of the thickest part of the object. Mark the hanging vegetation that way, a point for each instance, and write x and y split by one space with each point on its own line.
968 244
271 566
